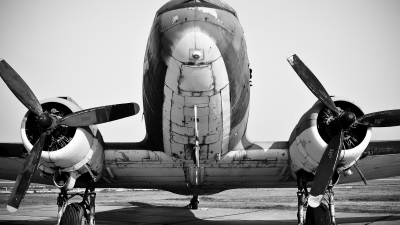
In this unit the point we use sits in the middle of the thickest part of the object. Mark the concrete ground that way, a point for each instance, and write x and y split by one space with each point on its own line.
121 215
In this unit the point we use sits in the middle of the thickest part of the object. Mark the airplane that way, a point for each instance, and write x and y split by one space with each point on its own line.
196 91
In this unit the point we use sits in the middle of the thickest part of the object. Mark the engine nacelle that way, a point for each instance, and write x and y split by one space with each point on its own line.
67 150
311 136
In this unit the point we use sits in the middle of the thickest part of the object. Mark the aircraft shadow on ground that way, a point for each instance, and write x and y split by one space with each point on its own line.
146 213
143 213
149 214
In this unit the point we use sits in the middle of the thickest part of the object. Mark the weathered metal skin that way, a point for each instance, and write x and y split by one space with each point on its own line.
216 28
260 165
196 56
85 148
307 145
196 59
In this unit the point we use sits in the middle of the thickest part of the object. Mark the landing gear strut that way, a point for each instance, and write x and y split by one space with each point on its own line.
77 213
330 198
302 193
194 202
321 215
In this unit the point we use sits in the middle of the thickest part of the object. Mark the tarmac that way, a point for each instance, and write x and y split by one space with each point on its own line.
153 215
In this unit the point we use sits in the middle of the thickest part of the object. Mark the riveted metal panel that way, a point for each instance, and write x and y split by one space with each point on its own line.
215 105
167 103
191 101
178 138
177 148
215 124
177 115
226 118
201 111
215 148
167 136
186 131
196 79
203 152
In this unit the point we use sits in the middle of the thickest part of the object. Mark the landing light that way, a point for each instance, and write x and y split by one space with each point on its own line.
196 54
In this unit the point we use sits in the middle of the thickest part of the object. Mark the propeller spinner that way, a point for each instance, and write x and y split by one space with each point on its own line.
342 120
49 122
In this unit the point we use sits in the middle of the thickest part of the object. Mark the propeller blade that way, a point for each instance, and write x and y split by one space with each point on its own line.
312 82
99 115
19 88
325 170
388 118
24 178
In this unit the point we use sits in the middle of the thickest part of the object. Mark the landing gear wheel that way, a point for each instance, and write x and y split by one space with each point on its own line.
318 216
74 214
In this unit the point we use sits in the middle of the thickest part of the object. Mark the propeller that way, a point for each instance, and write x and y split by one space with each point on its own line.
325 172
312 82
48 122
342 120
389 118
24 177
98 115
19 88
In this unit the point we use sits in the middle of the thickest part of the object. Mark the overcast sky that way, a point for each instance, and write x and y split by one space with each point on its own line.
93 51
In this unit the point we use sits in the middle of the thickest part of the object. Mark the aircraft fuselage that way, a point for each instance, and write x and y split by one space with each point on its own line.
196 56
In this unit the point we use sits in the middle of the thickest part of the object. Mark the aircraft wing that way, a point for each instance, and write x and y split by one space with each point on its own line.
381 159
12 157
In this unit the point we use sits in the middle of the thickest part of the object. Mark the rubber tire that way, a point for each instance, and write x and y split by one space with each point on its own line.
74 214
318 216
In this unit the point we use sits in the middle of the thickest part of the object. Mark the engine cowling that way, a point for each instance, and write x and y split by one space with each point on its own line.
67 150
311 136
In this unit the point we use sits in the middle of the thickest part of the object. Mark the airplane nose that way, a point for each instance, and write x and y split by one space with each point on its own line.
196 82
195 64
198 47
190 47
